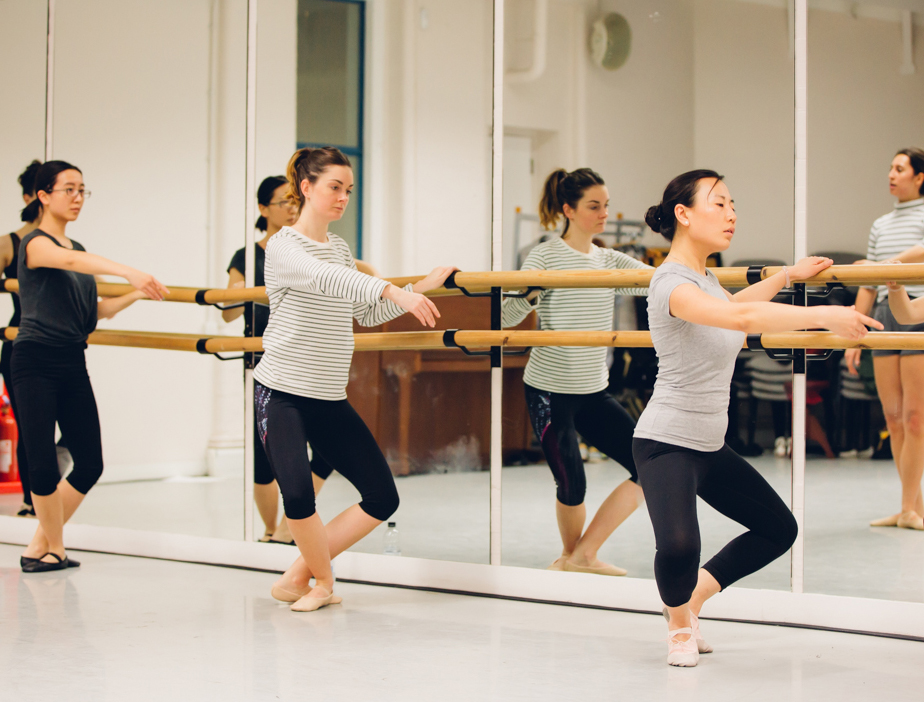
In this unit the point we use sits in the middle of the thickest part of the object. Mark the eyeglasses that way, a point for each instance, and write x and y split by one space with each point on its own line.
290 204
73 192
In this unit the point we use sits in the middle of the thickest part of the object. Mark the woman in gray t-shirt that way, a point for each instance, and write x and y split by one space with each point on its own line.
698 329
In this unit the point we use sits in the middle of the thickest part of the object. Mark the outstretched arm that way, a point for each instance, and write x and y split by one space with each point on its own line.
691 304
109 307
41 252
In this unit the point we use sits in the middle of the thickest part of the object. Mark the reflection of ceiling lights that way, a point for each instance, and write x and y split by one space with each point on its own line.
611 41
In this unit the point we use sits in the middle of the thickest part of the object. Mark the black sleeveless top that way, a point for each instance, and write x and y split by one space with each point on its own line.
59 308
259 313
11 272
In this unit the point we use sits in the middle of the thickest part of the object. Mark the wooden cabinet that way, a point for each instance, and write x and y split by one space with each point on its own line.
431 410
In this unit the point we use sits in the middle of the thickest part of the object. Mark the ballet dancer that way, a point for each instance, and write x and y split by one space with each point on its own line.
566 386
698 329
315 292
60 309
899 236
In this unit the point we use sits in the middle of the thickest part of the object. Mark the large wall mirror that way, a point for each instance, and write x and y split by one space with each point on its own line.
866 95
641 92
404 90
23 27
159 136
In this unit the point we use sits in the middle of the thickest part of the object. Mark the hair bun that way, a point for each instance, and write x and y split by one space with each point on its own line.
654 217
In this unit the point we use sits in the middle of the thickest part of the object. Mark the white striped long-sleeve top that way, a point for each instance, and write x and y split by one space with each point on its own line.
315 292
895 232
575 370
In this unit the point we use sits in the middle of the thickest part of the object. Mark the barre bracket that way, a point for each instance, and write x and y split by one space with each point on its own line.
449 341
201 348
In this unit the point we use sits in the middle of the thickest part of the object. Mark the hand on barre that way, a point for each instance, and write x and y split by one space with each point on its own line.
152 288
435 279
415 303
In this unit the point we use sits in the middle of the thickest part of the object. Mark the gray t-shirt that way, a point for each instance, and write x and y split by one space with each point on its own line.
59 307
689 406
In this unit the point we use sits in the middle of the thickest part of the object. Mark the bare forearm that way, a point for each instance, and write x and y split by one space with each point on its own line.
110 307
866 298
906 310
913 255
764 291
232 314
771 317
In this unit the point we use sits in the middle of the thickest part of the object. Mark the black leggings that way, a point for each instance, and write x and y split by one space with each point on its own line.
263 473
672 477
558 418
52 386
23 462
337 434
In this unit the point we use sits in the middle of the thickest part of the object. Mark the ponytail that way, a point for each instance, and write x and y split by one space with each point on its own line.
31 212
308 164
27 183
562 188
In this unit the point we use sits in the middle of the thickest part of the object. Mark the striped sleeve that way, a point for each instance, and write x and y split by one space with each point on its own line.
515 309
618 260
297 269
378 312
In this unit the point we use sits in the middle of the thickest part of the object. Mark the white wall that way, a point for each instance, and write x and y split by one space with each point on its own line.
861 111
22 120
744 125
430 109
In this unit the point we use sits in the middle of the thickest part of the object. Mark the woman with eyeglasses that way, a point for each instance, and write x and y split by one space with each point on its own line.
60 308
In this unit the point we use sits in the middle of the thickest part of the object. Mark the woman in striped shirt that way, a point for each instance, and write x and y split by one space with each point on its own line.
566 386
315 292
899 236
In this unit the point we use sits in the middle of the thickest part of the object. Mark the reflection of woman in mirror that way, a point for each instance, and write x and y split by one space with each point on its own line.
899 236
698 330
60 309
9 262
566 386
276 211
315 293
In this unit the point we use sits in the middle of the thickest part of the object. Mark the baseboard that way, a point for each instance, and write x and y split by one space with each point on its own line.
852 614
151 471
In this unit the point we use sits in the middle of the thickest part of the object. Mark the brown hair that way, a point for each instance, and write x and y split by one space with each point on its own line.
563 188
916 156
308 164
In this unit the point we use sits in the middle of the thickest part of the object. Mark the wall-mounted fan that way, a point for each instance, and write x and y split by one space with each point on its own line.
611 41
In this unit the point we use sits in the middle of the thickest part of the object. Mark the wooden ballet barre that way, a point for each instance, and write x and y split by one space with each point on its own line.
480 340
483 282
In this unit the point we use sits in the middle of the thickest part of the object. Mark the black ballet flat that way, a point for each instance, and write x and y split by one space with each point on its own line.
71 563
37 565
26 511
285 543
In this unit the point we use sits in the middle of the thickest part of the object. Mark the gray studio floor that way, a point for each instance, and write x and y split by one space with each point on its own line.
122 628
445 516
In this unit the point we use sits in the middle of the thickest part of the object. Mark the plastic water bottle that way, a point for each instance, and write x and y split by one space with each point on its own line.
392 547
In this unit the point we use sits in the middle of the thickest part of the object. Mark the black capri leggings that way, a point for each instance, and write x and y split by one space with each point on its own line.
672 477
558 418
52 385
337 434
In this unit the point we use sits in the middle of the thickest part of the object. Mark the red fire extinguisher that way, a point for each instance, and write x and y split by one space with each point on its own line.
9 438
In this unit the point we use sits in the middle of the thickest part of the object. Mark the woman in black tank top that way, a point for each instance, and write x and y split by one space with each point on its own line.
9 261
60 309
